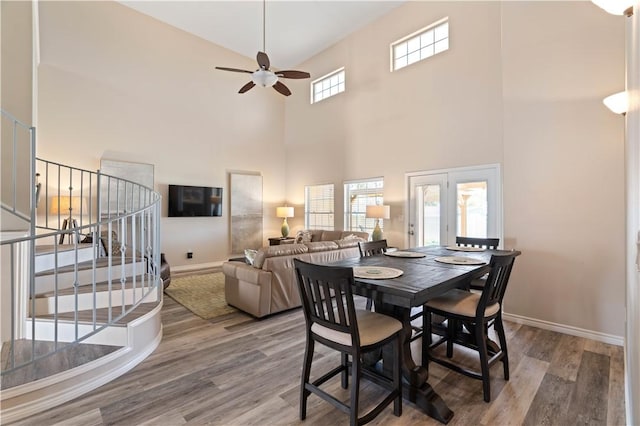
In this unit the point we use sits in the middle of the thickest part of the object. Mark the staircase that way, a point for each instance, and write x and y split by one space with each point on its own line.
79 314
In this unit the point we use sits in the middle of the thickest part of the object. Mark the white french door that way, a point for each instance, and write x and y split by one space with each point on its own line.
457 202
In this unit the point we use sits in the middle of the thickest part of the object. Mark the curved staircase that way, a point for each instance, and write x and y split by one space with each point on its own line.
77 315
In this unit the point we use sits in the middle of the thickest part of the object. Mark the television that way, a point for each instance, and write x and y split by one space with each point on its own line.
191 201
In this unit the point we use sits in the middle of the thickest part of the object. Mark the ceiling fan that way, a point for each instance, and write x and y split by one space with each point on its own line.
263 76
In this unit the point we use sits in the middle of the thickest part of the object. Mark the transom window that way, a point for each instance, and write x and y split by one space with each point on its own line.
420 45
327 86
359 195
318 206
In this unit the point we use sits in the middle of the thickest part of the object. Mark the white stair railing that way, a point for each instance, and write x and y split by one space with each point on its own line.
99 240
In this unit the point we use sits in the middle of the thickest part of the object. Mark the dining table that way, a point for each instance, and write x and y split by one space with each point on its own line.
400 280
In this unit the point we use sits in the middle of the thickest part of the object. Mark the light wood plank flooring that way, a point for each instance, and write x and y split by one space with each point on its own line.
237 370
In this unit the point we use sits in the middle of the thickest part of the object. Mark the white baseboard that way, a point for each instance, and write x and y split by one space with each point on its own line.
566 329
188 268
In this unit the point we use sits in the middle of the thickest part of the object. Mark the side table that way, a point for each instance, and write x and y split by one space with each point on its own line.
278 240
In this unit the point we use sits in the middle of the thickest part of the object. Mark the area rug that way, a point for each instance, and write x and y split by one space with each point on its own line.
202 294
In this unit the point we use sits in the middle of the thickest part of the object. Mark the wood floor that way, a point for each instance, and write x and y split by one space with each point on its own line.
237 370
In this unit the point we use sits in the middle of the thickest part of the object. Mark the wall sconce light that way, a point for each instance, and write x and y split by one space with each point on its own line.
617 103
284 212
377 213
616 7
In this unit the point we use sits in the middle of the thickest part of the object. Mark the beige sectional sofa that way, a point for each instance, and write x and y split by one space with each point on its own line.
269 285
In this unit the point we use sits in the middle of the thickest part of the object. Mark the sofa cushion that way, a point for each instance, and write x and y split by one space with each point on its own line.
280 250
330 235
321 246
303 237
349 242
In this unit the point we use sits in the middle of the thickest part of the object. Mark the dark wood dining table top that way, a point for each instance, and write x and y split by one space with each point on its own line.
423 277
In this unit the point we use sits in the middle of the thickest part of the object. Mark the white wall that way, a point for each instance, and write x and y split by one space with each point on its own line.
120 85
16 99
632 356
521 85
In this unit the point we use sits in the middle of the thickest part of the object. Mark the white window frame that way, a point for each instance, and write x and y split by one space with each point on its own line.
319 212
372 190
333 83
424 43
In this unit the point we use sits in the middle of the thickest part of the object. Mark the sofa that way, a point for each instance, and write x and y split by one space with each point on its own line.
269 284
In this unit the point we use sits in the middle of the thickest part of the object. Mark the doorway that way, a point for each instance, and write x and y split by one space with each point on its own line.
447 203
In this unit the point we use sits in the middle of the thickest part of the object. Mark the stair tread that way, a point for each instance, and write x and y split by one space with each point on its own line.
70 356
102 314
44 249
102 286
83 266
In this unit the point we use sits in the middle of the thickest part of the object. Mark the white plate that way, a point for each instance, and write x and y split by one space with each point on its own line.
459 260
463 248
376 272
404 254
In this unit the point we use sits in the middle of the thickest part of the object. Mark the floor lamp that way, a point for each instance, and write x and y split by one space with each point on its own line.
66 204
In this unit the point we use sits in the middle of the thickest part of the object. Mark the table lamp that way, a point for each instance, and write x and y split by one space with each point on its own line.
377 213
284 212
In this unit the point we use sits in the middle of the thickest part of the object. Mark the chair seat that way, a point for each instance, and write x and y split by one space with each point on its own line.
372 327
462 303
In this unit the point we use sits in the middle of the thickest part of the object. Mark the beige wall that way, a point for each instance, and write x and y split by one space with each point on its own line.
521 86
529 98
118 84
16 95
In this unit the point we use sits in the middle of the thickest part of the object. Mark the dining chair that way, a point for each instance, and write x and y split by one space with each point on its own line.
487 243
478 312
371 248
332 320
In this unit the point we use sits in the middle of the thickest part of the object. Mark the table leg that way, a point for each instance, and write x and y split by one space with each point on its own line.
416 388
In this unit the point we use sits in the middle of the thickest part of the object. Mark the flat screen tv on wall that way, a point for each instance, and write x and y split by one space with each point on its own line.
191 201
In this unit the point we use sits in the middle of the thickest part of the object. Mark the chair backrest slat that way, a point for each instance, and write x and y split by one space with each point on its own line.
489 243
371 248
496 285
327 297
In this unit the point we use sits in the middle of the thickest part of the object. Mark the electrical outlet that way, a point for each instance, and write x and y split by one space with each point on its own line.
189 255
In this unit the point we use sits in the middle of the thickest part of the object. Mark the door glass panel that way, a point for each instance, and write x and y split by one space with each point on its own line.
472 206
431 212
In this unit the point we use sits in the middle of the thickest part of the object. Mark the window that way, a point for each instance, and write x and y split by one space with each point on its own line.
359 195
329 85
318 207
420 45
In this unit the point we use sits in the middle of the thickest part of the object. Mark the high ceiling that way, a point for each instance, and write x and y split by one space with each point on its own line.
295 30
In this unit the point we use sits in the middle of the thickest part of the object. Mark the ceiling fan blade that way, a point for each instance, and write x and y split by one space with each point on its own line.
247 87
293 74
233 69
282 88
263 60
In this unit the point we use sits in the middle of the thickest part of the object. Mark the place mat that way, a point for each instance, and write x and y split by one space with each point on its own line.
463 248
376 272
404 254
458 260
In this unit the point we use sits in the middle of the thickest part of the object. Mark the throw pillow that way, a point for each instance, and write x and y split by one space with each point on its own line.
303 237
250 255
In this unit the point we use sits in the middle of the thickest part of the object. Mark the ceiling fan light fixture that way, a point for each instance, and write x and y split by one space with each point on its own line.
264 78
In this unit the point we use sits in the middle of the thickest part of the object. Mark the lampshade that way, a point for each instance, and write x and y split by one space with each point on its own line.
284 212
264 78
616 7
617 103
65 204
378 212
